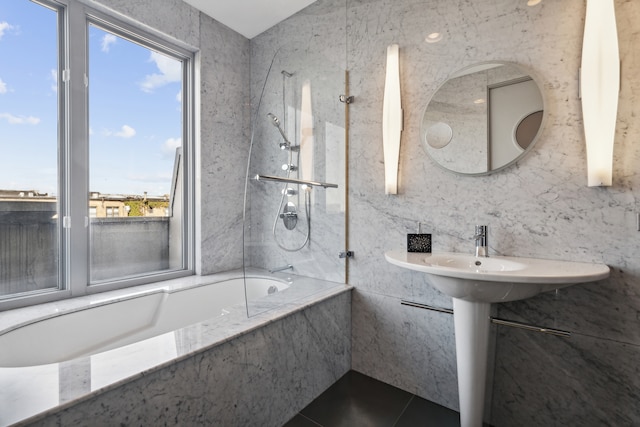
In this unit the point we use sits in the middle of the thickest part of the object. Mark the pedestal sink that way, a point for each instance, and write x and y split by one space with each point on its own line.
475 283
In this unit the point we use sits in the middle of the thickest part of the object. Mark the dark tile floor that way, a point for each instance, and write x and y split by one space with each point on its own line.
357 400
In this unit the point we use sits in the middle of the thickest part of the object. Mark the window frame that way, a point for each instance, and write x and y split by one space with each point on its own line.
74 19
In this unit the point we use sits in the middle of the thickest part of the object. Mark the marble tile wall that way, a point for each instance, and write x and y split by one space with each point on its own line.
540 207
262 378
224 147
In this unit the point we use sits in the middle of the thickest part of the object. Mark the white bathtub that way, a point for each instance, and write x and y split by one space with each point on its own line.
113 323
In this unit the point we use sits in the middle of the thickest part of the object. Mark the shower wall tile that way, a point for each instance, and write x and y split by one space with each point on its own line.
539 207
224 145
262 378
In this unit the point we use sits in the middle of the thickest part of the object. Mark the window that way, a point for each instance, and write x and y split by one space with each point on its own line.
29 171
122 98
135 120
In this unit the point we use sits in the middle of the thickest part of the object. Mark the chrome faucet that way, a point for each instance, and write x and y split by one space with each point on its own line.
482 249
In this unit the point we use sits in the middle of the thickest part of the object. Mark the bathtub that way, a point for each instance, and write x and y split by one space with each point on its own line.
57 355
117 322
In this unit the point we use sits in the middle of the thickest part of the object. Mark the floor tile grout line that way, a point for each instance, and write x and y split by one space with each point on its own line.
403 410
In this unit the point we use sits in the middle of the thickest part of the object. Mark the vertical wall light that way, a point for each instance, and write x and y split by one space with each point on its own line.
392 120
600 87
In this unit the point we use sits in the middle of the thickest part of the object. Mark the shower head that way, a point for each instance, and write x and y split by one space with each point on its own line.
274 120
286 145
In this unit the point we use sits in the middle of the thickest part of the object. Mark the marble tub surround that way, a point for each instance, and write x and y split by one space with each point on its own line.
57 388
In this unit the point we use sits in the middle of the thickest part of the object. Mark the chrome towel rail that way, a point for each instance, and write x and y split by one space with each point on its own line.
550 331
503 322
426 307
294 181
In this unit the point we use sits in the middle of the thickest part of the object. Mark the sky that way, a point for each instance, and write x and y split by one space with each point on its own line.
135 118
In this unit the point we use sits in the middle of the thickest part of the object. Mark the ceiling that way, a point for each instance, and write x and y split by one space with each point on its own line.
249 17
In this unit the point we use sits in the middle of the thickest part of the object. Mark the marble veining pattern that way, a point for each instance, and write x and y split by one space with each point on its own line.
224 146
235 383
577 381
540 207
289 334
389 336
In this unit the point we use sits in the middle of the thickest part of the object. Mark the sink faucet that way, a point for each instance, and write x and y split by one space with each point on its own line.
482 249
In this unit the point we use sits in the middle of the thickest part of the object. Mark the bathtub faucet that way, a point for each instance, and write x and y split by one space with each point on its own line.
284 267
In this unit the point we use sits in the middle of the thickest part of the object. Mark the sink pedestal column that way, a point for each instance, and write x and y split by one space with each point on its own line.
471 321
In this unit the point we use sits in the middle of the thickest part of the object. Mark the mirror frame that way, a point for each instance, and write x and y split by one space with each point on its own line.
545 106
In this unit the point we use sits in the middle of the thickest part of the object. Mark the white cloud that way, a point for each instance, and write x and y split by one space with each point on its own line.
19 120
170 71
179 96
3 87
107 41
126 131
4 26
170 145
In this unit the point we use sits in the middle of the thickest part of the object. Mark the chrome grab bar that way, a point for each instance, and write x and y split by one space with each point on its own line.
294 181
550 331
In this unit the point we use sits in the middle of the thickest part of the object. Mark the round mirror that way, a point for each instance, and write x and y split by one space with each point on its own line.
483 118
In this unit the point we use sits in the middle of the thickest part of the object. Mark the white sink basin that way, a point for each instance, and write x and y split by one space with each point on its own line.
475 283
496 278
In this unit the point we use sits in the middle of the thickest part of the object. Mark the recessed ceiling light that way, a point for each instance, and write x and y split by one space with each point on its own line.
533 2
433 38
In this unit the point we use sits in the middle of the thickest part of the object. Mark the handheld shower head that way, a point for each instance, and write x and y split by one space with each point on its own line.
274 120
286 145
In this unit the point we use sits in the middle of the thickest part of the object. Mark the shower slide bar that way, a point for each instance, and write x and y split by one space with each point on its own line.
511 323
294 181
